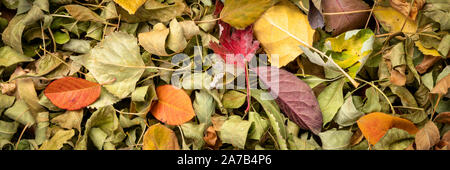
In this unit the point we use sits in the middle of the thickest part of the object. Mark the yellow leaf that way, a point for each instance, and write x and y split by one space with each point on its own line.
159 137
427 51
280 46
130 5
392 20
242 13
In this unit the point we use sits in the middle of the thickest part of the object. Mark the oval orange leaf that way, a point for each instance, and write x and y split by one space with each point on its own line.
72 93
174 106
375 125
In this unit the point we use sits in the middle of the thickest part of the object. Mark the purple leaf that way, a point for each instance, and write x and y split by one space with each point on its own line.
295 98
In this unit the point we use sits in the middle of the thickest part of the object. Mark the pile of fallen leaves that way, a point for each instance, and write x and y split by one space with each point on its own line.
339 74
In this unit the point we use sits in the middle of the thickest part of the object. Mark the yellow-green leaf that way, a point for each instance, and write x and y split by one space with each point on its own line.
427 51
242 13
159 137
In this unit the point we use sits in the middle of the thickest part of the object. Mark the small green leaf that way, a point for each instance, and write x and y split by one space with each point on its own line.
234 131
259 125
394 139
233 99
204 106
335 139
331 99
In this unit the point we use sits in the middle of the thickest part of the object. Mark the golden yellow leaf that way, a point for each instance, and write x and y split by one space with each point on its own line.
159 137
280 46
130 5
242 13
392 20
427 51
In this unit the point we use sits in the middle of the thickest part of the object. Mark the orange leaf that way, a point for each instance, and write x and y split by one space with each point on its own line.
174 106
442 86
72 93
374 125
159 137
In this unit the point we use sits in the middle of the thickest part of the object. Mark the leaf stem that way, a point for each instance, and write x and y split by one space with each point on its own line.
316 50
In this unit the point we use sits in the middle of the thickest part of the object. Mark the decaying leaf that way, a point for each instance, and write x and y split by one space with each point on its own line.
404 7
392 20
427 137
375 125
130 5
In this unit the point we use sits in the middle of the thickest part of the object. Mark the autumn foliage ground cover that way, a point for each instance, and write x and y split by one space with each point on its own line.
224 75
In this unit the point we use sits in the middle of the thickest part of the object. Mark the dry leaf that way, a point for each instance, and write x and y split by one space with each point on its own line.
404 7
442 86
242 13
345 22
443 117
130 5
155 41
392 20
427 137
174 106
281 47
374 125
72 93
159 137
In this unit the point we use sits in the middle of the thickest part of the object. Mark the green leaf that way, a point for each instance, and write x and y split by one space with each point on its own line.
373 101
57 141
116 59
302 142
8 129
20 113
444 46
6 102
194 133
348 114
12 35
9 56
335 139
233 99
139 94
41 128
104 119
313 81
69 120
259 125
81 13
439 11
204 106
331 99
234 131
394 139
408 100
276 119
78 46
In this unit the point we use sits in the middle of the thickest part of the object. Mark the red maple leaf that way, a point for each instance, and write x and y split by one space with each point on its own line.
236 46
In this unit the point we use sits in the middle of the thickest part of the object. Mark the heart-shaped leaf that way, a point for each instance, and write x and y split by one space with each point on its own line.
295 97
72 93
174 106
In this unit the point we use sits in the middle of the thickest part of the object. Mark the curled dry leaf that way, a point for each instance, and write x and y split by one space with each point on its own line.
442 86
174 106
404 7
374 125
295 97
427 62
211 138
72 93
159 137
443 118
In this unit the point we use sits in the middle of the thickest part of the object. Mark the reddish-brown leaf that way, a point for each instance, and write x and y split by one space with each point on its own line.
427 137
443 118
174 106
72 93
442 86
375 125
339 23
295 97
